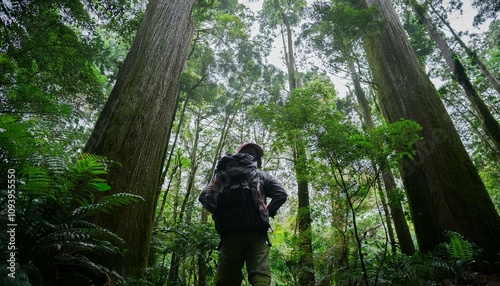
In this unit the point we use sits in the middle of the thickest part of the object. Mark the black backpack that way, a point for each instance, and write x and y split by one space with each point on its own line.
238 195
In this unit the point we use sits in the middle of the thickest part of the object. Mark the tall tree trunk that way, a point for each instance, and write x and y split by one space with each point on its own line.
489 123
134 126
306 261
401 226
176 174
366 117
288 48
402 230
173 273
444 189
187 203
387 215
174 171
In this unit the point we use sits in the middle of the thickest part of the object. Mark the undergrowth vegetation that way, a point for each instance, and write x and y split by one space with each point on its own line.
53 239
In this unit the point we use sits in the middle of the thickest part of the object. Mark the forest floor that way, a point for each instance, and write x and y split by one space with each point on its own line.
471 278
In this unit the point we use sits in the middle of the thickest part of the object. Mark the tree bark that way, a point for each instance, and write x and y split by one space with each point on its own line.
306 260
444 189
134 126
306 264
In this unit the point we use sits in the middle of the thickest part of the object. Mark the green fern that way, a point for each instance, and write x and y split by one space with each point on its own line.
86 178
460 249
55 242
105 204
416 270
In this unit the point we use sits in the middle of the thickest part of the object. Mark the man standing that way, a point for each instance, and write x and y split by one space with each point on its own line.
237 199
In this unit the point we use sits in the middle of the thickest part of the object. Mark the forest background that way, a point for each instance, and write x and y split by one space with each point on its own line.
114 113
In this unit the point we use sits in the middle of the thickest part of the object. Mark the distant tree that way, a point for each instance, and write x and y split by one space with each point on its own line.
285 16
134 126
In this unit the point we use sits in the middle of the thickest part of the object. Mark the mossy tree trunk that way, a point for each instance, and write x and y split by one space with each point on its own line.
304 221
444 189
134 126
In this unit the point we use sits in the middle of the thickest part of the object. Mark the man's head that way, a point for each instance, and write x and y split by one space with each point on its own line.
252 149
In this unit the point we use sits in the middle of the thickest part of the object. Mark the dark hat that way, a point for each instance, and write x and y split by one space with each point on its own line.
252 149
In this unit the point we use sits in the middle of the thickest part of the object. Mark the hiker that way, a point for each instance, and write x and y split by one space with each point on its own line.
236 198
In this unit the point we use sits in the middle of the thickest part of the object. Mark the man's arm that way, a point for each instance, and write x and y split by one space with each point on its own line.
206 197
274 190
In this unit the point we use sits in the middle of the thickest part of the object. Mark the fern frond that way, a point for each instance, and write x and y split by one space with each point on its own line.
79 231
87 178
53 237
105 204
38 183
99 246
461 249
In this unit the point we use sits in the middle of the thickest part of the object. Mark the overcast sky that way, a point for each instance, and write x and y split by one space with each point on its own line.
460 22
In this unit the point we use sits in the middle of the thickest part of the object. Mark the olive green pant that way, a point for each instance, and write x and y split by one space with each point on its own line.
239 248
